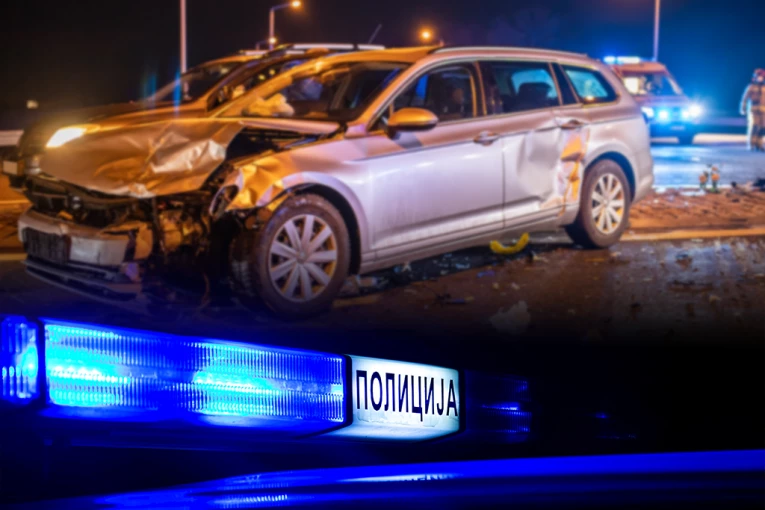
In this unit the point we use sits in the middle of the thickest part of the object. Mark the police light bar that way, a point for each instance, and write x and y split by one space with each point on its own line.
611 60
77 371
110 373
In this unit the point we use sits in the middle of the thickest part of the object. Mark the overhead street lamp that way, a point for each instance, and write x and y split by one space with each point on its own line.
427 36
295 4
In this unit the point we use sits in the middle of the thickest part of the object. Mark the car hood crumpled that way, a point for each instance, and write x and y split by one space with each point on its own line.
157 158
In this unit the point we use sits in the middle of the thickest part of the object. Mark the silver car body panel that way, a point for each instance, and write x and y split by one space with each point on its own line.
421 193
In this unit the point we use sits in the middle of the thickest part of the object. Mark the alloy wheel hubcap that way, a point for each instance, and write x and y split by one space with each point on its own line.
303 258
608 202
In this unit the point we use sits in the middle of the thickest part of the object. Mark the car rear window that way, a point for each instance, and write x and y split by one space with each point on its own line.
518 86
591 86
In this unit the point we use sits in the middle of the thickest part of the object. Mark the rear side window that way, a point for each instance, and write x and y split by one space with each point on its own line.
590 85
518 86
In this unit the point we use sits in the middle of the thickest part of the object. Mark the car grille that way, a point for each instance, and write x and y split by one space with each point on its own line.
54 200
45 246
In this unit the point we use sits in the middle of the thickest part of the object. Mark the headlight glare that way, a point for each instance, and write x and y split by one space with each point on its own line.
65 135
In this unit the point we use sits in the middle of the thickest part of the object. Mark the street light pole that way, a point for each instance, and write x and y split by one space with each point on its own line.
271 27
656 17
272 20
183 36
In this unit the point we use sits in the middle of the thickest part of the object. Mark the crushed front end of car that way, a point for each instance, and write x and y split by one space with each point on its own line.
137 215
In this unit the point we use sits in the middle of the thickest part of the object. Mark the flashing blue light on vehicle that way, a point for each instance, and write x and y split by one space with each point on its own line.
498 407
612 60
120 373
19 360
663 115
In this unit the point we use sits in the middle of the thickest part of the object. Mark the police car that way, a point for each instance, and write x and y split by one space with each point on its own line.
669 112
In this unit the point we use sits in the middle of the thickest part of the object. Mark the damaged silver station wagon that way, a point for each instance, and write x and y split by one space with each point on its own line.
343 165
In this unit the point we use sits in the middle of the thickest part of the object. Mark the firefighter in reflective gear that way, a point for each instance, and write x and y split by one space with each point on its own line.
753 106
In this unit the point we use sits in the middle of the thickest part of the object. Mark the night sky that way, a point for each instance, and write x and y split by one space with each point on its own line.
82 52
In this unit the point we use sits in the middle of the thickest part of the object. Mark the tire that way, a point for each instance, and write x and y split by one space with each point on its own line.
686 139
587 230
293 283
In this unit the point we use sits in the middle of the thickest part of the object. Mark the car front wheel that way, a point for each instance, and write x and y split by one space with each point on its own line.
297 262
605 206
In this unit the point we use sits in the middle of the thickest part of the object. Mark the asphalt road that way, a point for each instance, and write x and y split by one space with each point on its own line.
711 289
677 165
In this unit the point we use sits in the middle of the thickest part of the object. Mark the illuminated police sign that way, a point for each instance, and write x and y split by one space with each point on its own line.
407 401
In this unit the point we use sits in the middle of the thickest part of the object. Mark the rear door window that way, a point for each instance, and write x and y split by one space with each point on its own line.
591 86
518 86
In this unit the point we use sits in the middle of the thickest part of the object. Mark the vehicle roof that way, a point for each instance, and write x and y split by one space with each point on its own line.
641 67
411 55
229 59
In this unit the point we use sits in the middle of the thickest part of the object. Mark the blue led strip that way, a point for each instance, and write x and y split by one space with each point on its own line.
498 407
111 372
19 361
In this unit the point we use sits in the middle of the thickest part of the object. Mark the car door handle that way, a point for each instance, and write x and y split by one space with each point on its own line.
573 124
486 138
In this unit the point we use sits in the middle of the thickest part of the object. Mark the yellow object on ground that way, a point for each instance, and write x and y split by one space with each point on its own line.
501 249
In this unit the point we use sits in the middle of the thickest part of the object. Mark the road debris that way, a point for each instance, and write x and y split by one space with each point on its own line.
684 260
489 272
515 286
501 249
533 257
370 299
714 299
513 321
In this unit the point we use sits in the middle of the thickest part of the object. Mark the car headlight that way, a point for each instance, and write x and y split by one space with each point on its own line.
695 111
66 135
648 112
663 115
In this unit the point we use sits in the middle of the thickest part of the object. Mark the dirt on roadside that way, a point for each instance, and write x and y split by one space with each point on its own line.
673 209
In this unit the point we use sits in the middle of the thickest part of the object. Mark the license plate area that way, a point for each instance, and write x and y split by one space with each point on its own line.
50 247
12 168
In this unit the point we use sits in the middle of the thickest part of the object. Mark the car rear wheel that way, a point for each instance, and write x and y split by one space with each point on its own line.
297 262
605 206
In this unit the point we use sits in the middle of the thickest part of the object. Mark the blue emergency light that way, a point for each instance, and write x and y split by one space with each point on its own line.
111 373
612 60
78 371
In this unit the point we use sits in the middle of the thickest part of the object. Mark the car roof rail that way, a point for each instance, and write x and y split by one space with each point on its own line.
298 47
446 49
253 53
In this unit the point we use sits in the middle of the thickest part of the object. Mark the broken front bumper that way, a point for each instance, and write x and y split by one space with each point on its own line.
103 263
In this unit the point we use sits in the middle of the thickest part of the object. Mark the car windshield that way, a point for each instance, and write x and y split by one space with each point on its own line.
193 84
337 92
651 84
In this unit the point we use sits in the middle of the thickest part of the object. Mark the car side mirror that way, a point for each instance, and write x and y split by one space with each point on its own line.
411 120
